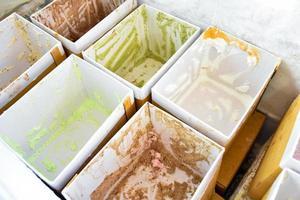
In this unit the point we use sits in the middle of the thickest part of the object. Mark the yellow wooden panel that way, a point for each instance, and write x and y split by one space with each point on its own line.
266 195
129 107
215 196
269 168
239 148
57 56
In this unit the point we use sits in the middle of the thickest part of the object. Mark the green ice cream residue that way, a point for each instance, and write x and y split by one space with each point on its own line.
139 45
76 70
34 136
49 165
62 124
73 146
57 136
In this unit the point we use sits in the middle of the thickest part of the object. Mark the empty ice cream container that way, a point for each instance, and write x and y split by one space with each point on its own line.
291 156
77 24
216 84
141 48
56 126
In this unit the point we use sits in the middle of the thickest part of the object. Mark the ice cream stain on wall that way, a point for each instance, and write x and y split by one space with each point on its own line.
49 165
214 33
53 144
77 71
18 42
6 69
33 54
156 174
138 47
84 112
216 83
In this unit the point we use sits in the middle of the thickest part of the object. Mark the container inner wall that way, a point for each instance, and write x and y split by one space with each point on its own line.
140 44
73 18
22 44
289 188
158 161
218 79
297 152
56 120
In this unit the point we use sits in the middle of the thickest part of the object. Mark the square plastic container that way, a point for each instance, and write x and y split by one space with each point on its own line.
58 124
291 156
153 154
26 53
286 187
78 24
216 84
141 48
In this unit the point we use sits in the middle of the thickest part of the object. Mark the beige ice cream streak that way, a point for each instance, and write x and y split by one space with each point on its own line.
138 47
156 174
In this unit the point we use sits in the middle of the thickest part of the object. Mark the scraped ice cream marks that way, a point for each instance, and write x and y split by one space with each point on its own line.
138 47
73 18
215 86
154 156
297 152
23 46
156 174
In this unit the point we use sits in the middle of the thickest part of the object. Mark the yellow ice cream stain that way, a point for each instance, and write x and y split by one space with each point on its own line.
49 165
33 55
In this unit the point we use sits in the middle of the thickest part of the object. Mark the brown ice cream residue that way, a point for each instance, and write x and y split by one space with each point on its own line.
155 174
297 152
73 18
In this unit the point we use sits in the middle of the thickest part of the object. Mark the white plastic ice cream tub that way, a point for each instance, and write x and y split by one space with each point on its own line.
58 124
216 84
